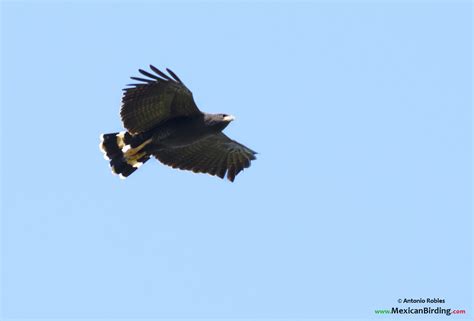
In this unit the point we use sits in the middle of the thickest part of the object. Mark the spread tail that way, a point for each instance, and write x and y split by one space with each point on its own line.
124 151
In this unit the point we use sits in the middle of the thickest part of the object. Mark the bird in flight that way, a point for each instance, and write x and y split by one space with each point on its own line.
162 120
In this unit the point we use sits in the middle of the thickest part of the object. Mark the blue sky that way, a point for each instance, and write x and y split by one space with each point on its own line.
361 194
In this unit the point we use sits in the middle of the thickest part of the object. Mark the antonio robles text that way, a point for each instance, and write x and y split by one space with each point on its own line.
421 300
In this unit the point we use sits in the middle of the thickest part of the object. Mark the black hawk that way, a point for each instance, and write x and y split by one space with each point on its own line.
163 121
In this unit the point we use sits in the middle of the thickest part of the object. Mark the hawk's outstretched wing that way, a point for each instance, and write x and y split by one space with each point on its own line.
215 155
155 100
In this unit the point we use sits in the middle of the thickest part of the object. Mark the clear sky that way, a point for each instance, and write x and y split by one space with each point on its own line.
361 193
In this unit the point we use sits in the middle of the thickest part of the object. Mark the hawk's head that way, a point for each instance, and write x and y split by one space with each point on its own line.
218 121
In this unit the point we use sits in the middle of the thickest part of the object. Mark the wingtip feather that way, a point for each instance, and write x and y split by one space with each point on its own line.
160 73
174 76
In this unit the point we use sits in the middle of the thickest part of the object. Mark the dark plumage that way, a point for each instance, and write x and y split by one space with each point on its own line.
163 121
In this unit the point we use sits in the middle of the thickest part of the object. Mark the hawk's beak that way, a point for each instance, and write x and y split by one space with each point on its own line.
229 118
